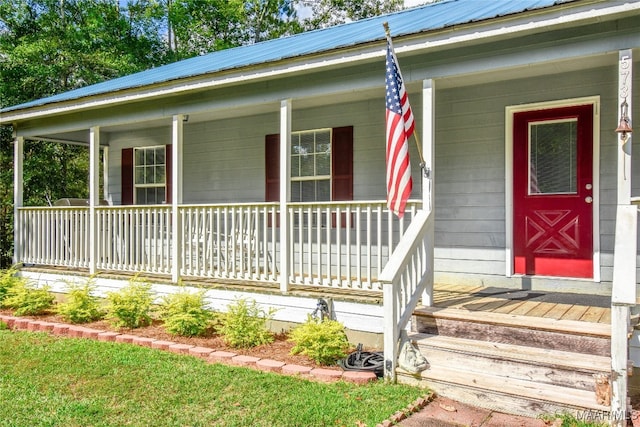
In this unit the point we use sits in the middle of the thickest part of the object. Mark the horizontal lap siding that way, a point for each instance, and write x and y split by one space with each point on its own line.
470 167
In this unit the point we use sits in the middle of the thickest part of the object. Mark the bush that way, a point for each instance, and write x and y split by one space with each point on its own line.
80 306
130 307
245 324
8 279
27 300
325 342
184 313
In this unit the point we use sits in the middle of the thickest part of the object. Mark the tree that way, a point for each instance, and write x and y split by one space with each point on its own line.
51 46
327 13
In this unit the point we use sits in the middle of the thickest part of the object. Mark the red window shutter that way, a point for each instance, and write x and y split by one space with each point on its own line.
168 168
127 176
342 163
272 168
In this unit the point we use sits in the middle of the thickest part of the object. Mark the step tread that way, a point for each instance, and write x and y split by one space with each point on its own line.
523 389
516 353
527 322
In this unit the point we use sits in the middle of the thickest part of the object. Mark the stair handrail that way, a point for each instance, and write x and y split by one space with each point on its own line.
404 279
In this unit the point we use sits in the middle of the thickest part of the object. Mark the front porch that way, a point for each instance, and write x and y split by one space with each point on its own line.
330 245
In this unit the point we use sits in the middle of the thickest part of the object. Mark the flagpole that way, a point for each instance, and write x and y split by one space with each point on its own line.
423 165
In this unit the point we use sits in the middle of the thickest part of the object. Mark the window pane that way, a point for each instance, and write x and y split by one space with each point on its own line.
139 156
160 175
323 192
296 189
307 143
323 164
295 166
149 156
307 166
308 191
139 175
160 156
553 159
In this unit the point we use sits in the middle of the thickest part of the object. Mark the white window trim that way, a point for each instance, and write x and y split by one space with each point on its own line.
135 165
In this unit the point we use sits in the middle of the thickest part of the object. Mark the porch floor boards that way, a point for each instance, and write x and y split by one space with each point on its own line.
540 304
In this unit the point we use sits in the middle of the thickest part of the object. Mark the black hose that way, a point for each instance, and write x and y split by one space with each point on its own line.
367 361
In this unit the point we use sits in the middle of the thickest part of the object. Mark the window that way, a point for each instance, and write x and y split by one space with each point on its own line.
321 165
311 166
553 157
146 173
149 175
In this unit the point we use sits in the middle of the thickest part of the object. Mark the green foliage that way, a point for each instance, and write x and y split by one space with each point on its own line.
130 307
80 305
244 325
184 313
8 279
569 420
323 341
3 326
27 300
60 382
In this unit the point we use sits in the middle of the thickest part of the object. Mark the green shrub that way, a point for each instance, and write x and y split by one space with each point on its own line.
3 326
130 307
27 300
244 325
80 306
8 279
184 313
325 342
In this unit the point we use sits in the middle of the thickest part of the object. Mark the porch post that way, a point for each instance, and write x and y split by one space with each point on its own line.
623 293
105 173
285 191
176 199
18 196
428 150
94 197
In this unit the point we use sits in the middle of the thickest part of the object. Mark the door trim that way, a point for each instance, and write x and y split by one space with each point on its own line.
510 110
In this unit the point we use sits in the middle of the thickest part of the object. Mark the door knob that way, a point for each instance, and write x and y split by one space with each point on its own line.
588 199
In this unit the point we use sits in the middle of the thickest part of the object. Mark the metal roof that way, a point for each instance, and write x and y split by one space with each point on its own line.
432 16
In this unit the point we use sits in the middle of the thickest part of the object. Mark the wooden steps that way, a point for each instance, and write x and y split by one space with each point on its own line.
509 363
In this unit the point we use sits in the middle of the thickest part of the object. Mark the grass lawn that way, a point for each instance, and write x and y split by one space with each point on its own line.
51 381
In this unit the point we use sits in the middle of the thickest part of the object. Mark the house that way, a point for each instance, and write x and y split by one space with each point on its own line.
259 171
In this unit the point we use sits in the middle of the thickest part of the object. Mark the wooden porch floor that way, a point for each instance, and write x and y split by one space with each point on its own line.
539 304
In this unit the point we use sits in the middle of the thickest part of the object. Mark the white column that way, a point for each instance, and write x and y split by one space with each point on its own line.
623 294
285 191
18 196
94 195
176 199
625 73
428 187
105 173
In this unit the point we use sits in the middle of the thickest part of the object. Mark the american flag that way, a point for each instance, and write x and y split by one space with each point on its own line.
400 126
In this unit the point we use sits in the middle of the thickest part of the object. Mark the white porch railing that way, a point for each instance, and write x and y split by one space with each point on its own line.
333 244
343 244
134 238
53 236
237 242
405 278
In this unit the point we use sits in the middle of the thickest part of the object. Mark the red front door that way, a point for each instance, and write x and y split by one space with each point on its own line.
553 192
